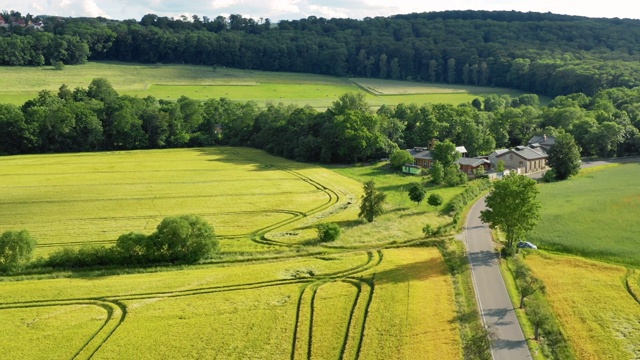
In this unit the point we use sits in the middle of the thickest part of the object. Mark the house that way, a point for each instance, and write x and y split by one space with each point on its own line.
543 141
470 165
522 158
411 169
422 156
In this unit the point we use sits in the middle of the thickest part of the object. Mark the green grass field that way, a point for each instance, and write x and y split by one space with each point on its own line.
169 82
404 219
593 215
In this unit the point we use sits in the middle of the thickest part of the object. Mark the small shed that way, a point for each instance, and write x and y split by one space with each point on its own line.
411 169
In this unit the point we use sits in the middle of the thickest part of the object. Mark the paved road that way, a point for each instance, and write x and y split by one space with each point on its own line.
495 305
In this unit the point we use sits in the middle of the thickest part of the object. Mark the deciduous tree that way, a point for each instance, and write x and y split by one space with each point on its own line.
417 192
564 157
16 248
372 202
513 207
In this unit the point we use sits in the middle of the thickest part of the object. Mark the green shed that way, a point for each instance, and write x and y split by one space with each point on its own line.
411 169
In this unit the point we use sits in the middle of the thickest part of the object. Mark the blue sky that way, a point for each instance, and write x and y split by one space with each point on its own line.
296 9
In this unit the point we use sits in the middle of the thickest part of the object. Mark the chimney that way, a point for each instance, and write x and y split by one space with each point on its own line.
545 137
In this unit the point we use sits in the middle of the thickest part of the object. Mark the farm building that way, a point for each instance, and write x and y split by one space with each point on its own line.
422 156
470 165
522 158
543 141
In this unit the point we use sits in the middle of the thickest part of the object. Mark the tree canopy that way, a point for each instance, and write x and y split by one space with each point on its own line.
564 157
372 202
513 207
16 249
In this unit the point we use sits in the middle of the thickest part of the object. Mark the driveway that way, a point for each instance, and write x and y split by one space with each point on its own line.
495 305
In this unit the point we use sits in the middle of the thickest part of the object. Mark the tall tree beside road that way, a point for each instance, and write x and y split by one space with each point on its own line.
513 207
564 157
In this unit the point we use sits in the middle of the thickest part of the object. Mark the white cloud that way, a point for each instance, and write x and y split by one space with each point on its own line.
91 9
296 9
328 12
284 6
222 4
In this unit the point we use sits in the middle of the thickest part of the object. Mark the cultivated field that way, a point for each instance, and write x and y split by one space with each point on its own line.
92 198
169 82
598 313
374 304
593 215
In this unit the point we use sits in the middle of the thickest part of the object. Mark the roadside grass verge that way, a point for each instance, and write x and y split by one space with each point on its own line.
574 214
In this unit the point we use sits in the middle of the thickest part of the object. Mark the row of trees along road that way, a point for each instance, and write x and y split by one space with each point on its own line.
534 52
98 118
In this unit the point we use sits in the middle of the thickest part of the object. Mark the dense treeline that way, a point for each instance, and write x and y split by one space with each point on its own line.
97 118
539 53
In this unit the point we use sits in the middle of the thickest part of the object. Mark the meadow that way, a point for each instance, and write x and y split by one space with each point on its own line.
593 215
170 82
591 300
344 308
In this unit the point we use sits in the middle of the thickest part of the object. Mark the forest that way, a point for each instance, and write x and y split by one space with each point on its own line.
98 118
541 53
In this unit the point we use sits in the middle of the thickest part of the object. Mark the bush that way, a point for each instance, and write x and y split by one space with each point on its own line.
328 232
16 249
58 65
399 158
435 200
549 176
183 239
507 252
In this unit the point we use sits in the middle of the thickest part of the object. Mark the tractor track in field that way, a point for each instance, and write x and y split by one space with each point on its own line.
117 310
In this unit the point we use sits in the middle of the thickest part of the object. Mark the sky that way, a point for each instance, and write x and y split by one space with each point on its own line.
276 10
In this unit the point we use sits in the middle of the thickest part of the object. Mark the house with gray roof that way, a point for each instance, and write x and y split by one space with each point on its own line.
524 159
470 165
543 141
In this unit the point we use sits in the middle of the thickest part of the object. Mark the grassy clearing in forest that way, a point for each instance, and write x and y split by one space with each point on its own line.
169 82
598 314
594 215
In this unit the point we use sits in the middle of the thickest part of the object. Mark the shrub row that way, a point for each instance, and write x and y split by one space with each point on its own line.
181 239
458 202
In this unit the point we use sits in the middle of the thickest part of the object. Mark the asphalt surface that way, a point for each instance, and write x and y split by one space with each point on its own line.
497 311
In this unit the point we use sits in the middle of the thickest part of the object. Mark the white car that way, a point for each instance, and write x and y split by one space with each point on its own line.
526 245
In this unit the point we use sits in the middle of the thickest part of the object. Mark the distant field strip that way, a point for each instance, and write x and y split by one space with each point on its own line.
325 307
598 314
170 82
79 199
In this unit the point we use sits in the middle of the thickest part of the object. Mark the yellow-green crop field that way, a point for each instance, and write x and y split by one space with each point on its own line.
594 303
92 198
395 303
170 82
